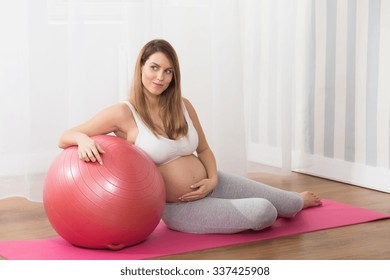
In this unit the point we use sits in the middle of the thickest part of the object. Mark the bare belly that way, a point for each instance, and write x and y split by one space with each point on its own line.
180 174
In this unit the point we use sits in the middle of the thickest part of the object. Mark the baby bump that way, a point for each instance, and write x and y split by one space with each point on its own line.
180 174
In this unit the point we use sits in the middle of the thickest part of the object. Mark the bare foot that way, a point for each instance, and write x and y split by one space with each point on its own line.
310 199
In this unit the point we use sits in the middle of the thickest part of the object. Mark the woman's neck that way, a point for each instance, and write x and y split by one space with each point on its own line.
153 103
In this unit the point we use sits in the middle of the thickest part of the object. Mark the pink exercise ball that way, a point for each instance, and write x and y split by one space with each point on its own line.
109 206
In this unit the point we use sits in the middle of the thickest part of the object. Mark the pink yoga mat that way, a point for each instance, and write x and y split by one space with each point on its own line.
164 241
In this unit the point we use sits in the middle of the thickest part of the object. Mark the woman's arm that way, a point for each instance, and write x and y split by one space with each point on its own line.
206 156
106 121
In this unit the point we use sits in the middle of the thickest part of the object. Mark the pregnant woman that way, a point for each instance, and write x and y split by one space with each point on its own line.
199 198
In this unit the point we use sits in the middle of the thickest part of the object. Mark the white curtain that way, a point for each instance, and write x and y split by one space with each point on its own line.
319 89
63 60
300 85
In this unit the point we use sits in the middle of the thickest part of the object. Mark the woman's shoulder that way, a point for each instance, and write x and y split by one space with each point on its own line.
190 109
117 111
188 104
124 109
122 115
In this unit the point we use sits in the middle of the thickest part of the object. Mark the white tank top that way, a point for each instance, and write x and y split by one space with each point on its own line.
162 149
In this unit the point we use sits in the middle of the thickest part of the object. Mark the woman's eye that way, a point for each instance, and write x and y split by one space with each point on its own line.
169 71
154 68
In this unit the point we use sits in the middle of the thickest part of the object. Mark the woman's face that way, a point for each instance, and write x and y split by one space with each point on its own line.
157 74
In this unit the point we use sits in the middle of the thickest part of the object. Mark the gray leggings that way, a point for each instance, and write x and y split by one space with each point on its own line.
235 205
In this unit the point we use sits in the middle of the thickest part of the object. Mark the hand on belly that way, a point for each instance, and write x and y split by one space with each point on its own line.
185 178
198 190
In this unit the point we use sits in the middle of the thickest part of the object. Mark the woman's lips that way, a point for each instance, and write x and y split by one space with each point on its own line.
158 85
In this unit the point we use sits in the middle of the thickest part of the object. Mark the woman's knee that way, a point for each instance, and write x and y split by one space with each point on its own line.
265 214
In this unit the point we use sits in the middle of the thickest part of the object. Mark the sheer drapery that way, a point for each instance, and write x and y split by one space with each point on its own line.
62 61
319 97
300 85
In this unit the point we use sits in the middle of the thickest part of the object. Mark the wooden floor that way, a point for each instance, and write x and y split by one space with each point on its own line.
23 219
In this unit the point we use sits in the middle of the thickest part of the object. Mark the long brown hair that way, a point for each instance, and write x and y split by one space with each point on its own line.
170 101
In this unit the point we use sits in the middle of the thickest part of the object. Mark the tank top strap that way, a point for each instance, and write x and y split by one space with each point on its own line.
186 114
137 118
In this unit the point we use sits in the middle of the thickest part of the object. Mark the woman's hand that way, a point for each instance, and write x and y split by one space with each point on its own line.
89 150
199 190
